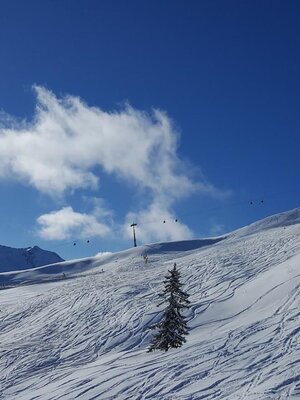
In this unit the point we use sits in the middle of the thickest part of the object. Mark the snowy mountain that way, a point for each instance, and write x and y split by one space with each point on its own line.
79 329
12 259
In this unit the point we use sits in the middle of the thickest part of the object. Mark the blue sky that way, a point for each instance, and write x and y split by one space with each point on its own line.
114 111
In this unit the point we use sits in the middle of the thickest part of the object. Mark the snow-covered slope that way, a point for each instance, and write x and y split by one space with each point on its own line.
12 259
84 335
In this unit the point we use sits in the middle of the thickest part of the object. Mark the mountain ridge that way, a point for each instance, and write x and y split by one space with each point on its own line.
13 259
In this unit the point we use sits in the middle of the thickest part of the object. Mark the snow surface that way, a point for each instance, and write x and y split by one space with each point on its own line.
84 335
12 259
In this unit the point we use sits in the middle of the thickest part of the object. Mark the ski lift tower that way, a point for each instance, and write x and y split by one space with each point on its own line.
133 225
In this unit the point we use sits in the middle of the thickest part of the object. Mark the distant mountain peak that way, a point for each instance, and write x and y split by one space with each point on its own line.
14 259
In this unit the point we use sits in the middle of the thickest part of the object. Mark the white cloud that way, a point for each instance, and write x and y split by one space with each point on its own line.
103 253
66 223
151 226
59 150
217 229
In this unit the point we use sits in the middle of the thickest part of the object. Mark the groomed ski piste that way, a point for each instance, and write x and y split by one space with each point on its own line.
84 335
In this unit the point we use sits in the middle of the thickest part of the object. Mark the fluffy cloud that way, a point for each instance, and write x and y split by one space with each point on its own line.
59 150
66 223
103 254
156 223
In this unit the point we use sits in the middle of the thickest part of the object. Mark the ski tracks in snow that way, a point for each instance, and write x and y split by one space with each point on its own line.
86 338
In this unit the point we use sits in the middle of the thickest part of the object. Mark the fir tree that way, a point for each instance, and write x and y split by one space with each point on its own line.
173 327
